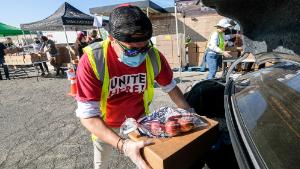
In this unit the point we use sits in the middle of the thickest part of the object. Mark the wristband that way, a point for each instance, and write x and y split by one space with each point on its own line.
118 142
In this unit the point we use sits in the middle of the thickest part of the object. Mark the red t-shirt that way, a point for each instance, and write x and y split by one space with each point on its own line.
126 88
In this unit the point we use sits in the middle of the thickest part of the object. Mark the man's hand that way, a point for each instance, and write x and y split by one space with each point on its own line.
132 150
6 51
226 54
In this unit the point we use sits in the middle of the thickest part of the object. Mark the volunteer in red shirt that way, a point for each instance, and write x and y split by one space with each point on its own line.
116 81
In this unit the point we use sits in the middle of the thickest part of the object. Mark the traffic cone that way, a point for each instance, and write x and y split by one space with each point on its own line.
73 88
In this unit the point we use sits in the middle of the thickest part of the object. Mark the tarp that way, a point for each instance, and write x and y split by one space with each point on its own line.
266 25
67 15
192 7
7 30
152 8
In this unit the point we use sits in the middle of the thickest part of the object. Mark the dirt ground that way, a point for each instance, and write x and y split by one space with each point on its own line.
39 129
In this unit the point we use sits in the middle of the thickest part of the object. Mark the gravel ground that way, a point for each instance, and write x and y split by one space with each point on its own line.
39 129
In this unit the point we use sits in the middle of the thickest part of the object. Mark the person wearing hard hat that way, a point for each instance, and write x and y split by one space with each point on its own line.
115 80
216 47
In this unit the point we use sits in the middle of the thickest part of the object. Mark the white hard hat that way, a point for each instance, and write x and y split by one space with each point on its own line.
224 23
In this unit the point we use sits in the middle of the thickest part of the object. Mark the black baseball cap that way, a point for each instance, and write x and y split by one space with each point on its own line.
129 23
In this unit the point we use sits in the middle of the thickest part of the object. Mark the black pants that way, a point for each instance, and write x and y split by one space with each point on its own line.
5 71
42 68
58 69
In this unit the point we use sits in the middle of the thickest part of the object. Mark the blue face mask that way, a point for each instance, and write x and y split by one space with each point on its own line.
133 61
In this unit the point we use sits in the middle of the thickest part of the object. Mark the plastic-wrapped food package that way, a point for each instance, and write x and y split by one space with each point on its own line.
165 122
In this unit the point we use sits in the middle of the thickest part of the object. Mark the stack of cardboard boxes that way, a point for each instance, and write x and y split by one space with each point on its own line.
234 51
64 56
35 57
167 45
21 59
15 50
196 52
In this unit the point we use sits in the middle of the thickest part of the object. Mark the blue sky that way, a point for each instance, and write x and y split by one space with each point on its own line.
16 12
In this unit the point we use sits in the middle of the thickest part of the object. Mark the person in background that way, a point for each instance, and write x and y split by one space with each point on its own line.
53 52
3 51
104 102
9 43
80 43
216 48
93 37
37 48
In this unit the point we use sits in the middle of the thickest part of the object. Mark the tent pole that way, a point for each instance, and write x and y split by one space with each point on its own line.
18 40
184 37
178 47
24 37
69 47
30 34
147 12
100 35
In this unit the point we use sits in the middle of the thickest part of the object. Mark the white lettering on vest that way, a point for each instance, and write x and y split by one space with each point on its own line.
135 83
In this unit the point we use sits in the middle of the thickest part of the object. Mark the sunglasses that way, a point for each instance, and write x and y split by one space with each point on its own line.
134 51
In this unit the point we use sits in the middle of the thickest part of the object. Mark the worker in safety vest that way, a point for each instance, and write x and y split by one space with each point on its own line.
115 81
216 47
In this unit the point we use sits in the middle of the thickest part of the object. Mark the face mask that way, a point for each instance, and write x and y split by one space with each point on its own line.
133 61
133 57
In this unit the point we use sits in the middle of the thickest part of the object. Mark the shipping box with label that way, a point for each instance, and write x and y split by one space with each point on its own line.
181 151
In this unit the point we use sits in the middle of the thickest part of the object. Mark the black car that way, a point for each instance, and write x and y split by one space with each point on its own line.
263 116
262 107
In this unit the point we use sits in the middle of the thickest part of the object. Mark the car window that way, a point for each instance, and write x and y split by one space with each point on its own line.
269 107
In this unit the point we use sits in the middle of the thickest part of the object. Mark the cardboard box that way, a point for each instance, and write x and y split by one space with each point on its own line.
15 50
16 59
167 45
181 151
195 59
43 57
32 57
201 46
192 48
234 54
64 56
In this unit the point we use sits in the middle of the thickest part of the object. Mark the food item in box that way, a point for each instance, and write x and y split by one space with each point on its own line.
179 152
156 127
172 128
185 124
167 122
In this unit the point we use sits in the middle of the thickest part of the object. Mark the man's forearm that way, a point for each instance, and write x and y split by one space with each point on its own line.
178 98
97 127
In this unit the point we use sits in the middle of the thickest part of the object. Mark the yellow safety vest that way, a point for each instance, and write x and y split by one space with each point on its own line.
150 74
220 39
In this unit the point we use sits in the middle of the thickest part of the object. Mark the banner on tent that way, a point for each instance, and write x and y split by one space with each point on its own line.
98 20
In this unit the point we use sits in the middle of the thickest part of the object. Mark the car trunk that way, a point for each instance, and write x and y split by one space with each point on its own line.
270 32
261 107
